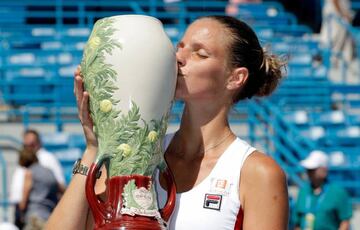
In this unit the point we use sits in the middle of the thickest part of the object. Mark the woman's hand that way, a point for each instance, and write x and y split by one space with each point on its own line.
82 100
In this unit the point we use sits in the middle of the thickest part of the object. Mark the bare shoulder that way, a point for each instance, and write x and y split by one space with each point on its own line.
263 193
261 169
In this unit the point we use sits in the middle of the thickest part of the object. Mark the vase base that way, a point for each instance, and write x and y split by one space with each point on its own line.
133 223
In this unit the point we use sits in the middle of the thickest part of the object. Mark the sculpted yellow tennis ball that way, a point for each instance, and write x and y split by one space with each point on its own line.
125 149
94 42
152 136
105 106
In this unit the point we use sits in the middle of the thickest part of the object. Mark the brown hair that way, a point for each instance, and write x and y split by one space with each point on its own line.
265 70
27 157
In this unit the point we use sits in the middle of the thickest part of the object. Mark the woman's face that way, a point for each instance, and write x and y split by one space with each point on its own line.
202 59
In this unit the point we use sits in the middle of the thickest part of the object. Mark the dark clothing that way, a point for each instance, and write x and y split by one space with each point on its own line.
19 217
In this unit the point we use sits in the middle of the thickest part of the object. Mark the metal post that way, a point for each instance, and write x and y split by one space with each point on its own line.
4 187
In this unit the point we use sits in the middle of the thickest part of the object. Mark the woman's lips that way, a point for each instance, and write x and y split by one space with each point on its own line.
180 74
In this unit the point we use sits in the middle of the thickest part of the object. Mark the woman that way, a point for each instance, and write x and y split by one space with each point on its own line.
40 191
220 62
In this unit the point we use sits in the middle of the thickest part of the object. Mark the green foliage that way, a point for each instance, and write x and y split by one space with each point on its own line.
99 78
145 154
124 137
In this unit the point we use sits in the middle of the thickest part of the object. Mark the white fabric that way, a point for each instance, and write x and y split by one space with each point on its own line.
47 160
189 211
17 184
8 226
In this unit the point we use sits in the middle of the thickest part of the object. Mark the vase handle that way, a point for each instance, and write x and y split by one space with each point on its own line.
167 210
97 206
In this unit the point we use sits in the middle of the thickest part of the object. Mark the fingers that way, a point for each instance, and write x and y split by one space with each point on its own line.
76 73
79 89
78 69
85 105
82 101
78 86
85 111
82 97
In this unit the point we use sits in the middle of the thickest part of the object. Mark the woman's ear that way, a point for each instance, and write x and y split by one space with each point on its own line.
237 78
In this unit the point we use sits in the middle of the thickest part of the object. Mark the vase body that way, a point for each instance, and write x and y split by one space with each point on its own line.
129 71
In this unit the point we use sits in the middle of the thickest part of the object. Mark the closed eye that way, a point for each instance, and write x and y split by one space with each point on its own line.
201 53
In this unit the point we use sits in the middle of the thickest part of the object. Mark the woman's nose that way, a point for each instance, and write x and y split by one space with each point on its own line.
180 57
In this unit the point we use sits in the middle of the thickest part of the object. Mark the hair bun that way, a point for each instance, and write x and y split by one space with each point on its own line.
271 71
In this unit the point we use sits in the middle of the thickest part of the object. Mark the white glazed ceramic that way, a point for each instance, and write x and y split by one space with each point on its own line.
129 70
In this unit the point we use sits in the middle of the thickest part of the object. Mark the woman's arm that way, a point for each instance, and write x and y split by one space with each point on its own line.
263 194
72 210
26 190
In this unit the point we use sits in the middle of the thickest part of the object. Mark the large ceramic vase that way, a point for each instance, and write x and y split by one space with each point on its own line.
129 70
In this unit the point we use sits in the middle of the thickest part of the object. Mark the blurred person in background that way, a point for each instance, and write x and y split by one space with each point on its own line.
321 205
333 33
32 141
233 6
40 191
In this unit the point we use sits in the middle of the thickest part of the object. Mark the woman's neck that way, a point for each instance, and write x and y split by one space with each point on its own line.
201 131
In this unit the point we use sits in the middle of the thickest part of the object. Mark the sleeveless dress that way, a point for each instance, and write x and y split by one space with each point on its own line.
214 203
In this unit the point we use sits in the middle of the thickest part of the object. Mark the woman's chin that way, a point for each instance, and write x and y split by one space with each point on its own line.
179 96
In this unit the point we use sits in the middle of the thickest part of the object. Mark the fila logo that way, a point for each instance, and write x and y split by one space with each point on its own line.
212 201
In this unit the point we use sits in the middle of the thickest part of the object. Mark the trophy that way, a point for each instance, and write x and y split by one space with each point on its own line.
129 70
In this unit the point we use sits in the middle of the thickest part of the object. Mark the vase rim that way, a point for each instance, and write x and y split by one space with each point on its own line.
137 16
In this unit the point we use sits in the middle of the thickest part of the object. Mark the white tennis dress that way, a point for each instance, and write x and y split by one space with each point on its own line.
214 203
